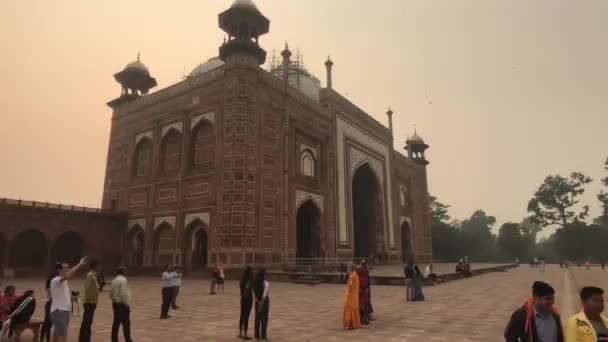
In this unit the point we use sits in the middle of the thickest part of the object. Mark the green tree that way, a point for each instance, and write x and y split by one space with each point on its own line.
513 242
603 197
477 238
438 211
444 235
554 200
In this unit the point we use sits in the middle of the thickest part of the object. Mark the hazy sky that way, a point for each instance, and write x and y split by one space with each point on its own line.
505 92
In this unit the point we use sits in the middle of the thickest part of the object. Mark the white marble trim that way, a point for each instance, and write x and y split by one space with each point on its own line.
170 220
205 217
210 116
178 126
302 196
140 136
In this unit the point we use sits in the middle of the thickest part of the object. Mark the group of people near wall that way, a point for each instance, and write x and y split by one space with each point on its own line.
60 301
539 320
358 307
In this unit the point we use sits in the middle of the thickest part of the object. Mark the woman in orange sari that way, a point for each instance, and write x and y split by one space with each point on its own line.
351 317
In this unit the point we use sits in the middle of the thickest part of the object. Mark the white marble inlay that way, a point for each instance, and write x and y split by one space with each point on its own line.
176 126
344 129
207 116
312 149
302 196
170 220
148 134
137 222
205 217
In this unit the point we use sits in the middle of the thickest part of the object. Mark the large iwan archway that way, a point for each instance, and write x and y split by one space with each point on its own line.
308 231
367 211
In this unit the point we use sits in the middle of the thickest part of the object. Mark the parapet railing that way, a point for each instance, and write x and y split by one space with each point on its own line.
34 204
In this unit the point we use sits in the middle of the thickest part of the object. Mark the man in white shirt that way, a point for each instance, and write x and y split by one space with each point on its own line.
167 283
120 296
177 283
60 300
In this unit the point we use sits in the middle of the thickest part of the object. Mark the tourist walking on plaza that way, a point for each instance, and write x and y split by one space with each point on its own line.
363 301
408 270
370 308
121 297
60 300
589 325
219 277
91 294
246 287
262 304
167 283
537 320
177 283
45 330
350 314
417 295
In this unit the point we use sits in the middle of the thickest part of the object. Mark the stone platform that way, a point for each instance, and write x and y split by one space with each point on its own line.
470 309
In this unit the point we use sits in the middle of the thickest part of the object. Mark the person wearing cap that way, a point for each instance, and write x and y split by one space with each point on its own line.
589 325
537 320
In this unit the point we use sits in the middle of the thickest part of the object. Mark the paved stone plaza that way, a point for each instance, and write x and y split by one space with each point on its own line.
473 309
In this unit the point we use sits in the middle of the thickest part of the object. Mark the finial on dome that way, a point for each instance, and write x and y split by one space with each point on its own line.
138 56
389 112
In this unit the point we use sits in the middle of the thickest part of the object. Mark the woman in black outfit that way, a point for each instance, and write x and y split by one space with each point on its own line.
246 285
262 304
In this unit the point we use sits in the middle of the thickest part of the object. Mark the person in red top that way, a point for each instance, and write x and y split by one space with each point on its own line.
363 299
7 300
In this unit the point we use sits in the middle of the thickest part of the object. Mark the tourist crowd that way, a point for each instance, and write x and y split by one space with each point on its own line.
537 320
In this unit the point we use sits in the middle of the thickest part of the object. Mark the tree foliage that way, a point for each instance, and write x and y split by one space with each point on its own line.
514 241
554 200
603 196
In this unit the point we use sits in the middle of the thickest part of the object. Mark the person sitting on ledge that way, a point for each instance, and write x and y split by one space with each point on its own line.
428 273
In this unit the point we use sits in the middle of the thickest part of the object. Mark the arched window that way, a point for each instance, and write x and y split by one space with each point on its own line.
307 164
171 150
203 145
143 157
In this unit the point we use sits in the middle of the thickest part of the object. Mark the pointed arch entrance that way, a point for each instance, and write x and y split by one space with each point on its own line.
29 250
406 242
368 213
196 246
163 244
68 247
308 231
136 242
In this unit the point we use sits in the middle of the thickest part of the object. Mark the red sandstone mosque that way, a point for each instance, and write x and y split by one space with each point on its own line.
240 165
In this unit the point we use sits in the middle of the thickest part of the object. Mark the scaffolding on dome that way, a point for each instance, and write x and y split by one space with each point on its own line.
295 70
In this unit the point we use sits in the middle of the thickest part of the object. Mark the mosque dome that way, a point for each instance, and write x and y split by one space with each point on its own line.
212 63
244 4
416 139
137 66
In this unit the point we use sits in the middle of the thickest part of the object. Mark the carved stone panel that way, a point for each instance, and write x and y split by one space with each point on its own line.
170 220
205 217
302 196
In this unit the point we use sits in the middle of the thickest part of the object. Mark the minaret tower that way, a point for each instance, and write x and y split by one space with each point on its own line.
415 148
244 24
135 81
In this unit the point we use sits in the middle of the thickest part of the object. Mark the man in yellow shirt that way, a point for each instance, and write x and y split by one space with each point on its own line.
91 293
589 325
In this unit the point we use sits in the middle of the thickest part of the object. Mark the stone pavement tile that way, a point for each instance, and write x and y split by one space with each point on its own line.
473 309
